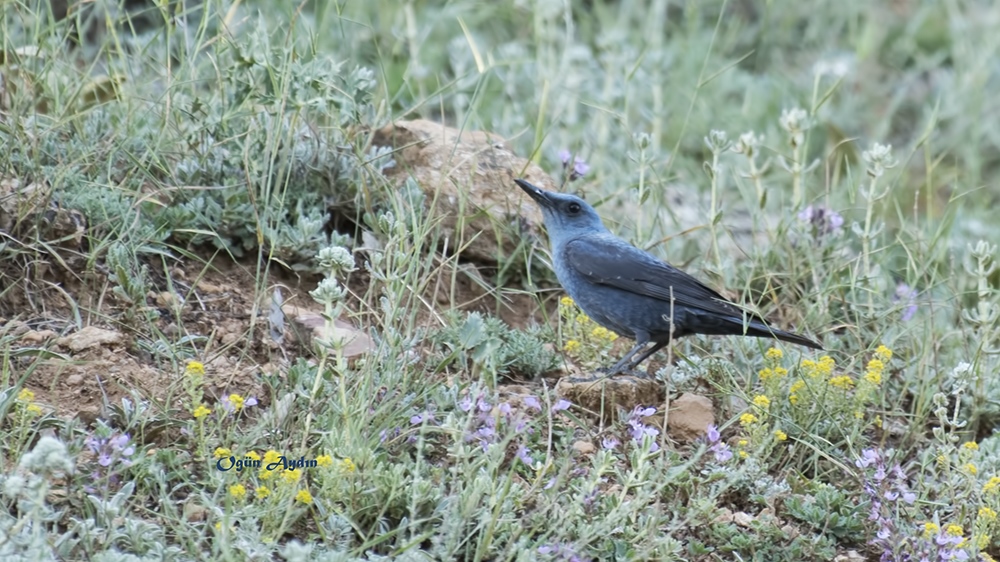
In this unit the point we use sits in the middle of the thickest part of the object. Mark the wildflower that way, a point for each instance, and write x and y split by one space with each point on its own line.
842 382
762 401
222 452
743 443
34 409
25 395
822 219
609 443
825 365
271 457
603 333
347 465
114 449
262 492
748 419
879 159
992 485
561 404
200 412
970 445
773 354
252 455
532 403
874 377
572 346
233 402
883 353
523 456
954 530
780 435
304 497
579 166
987 514
744 454
237 491
566 301
290 476
930 529
324 461
970 468
194 369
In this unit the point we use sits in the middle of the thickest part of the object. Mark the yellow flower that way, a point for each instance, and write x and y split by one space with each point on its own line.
780 435
290 476
25 395
930 529
599 332
34 409
572 346
825 365
992 485
194 369
970 468
987 514
773 354
271 457
954 530
200 412
566 301
883 353
765 374
262 492
265 474
222 452
744 454
780 371
876 365
762 401
237 491
237 401
747 419
582 319
347 465
797 386
982 555
842 382
742 443
970 445
878 421
252 455
304 497
324 461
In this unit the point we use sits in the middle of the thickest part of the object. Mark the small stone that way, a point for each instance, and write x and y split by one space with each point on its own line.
850 556
209 288
725 516
37 336
689 417
743 519
584 447
74 380
89 337
166 299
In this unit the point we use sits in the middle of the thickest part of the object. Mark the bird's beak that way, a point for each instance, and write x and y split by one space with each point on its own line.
540 196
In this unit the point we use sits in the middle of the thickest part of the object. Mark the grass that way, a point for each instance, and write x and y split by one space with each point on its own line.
831 165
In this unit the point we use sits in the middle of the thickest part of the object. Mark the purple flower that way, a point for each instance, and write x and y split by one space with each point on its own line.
868 456
909 498
712 434
504 408
639 411
722 452
822 219
522 454
483 405
577 169
252 401
532 403
907 294
465 404
609 443
561 404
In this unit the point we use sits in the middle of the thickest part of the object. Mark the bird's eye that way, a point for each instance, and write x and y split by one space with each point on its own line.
574 208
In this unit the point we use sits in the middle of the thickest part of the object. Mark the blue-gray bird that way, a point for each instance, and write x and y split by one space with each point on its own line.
632 293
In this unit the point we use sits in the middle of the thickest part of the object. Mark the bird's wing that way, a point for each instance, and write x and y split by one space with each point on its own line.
620 265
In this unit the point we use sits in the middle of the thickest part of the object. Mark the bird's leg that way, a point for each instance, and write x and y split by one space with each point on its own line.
618 367
658 346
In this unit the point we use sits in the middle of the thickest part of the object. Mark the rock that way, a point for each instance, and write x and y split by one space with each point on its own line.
689 417
75 379
469 177
584 447
724 516
37 336
89 337
310 327
166 299
210 288
743 519
850 556
603 396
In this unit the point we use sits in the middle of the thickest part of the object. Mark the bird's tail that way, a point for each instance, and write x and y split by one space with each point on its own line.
759 330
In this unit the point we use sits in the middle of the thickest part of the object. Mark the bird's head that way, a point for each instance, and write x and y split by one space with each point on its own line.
566 216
